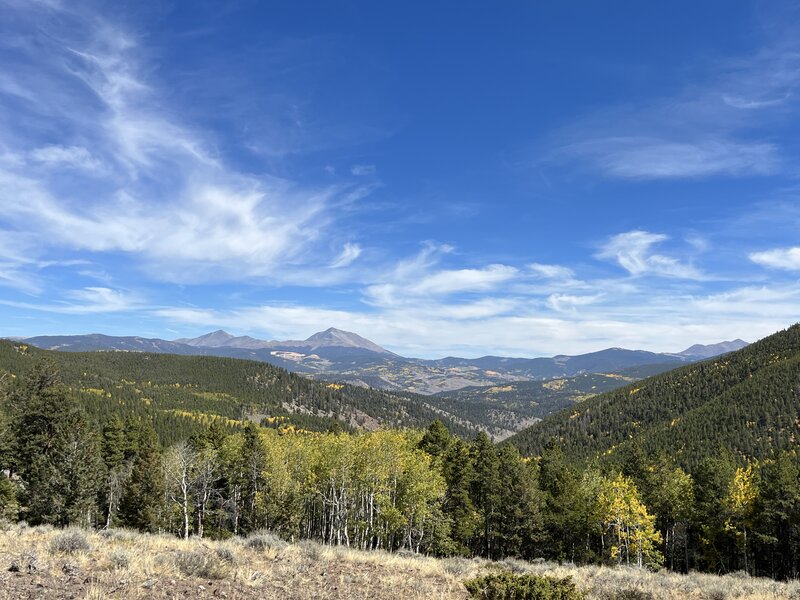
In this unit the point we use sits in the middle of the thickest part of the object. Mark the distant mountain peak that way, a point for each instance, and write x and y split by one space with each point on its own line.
330 338
338 337
707 351
214 339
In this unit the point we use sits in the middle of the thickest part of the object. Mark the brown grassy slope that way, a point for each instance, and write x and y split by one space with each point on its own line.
51 564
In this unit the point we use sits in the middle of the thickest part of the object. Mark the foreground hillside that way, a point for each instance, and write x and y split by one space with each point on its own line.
54 564
49 563
747 402
182 394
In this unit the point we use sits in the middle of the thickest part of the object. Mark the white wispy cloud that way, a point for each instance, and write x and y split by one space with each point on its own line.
633 250
564 302
349 253
777 303
70 156
552 271
721 124
360 170
419 277
751 103
779 258
657 158
86 301
19 261
145 182
464 280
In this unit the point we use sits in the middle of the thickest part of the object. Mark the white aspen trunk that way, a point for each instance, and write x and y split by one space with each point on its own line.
110 507
185 491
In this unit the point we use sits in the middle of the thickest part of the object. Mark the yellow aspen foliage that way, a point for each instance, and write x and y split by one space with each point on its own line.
742 493
626 524
740 504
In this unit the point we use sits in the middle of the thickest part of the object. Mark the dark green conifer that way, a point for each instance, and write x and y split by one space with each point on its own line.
437 439
520 526
143 490
114 442
459 474
563 520
486 493
253 462
56 454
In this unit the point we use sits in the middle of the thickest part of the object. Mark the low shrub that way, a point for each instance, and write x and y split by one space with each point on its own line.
70 541
507 586
119 559
201 564
516 566
226 555
457 565
264 540
311 549
122 535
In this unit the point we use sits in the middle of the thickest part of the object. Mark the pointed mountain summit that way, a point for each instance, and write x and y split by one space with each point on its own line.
707 351
342 339
330 338
215 339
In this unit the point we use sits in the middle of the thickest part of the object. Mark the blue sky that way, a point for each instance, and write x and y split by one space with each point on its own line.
521 178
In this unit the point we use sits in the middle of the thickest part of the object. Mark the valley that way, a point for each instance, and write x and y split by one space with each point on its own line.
499 395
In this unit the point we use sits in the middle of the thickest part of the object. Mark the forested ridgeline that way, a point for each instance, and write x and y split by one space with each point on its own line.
505 409
180 395
428 492
747 401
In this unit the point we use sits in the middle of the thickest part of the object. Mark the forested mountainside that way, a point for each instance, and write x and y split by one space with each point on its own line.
747 401
181 394
502 410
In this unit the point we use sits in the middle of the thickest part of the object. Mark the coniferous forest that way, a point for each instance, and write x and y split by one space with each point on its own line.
610 485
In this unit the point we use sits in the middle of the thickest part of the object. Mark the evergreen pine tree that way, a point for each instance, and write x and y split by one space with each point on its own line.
254 461
485 493
143 489
715 549
9 506
437 440
777 527
82 469
113 443
563 520
459 475
520 527
55 452
113 446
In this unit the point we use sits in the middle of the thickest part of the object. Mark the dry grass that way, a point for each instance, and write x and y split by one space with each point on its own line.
124 564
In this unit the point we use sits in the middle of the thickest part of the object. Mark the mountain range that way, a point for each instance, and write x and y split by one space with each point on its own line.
344 356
